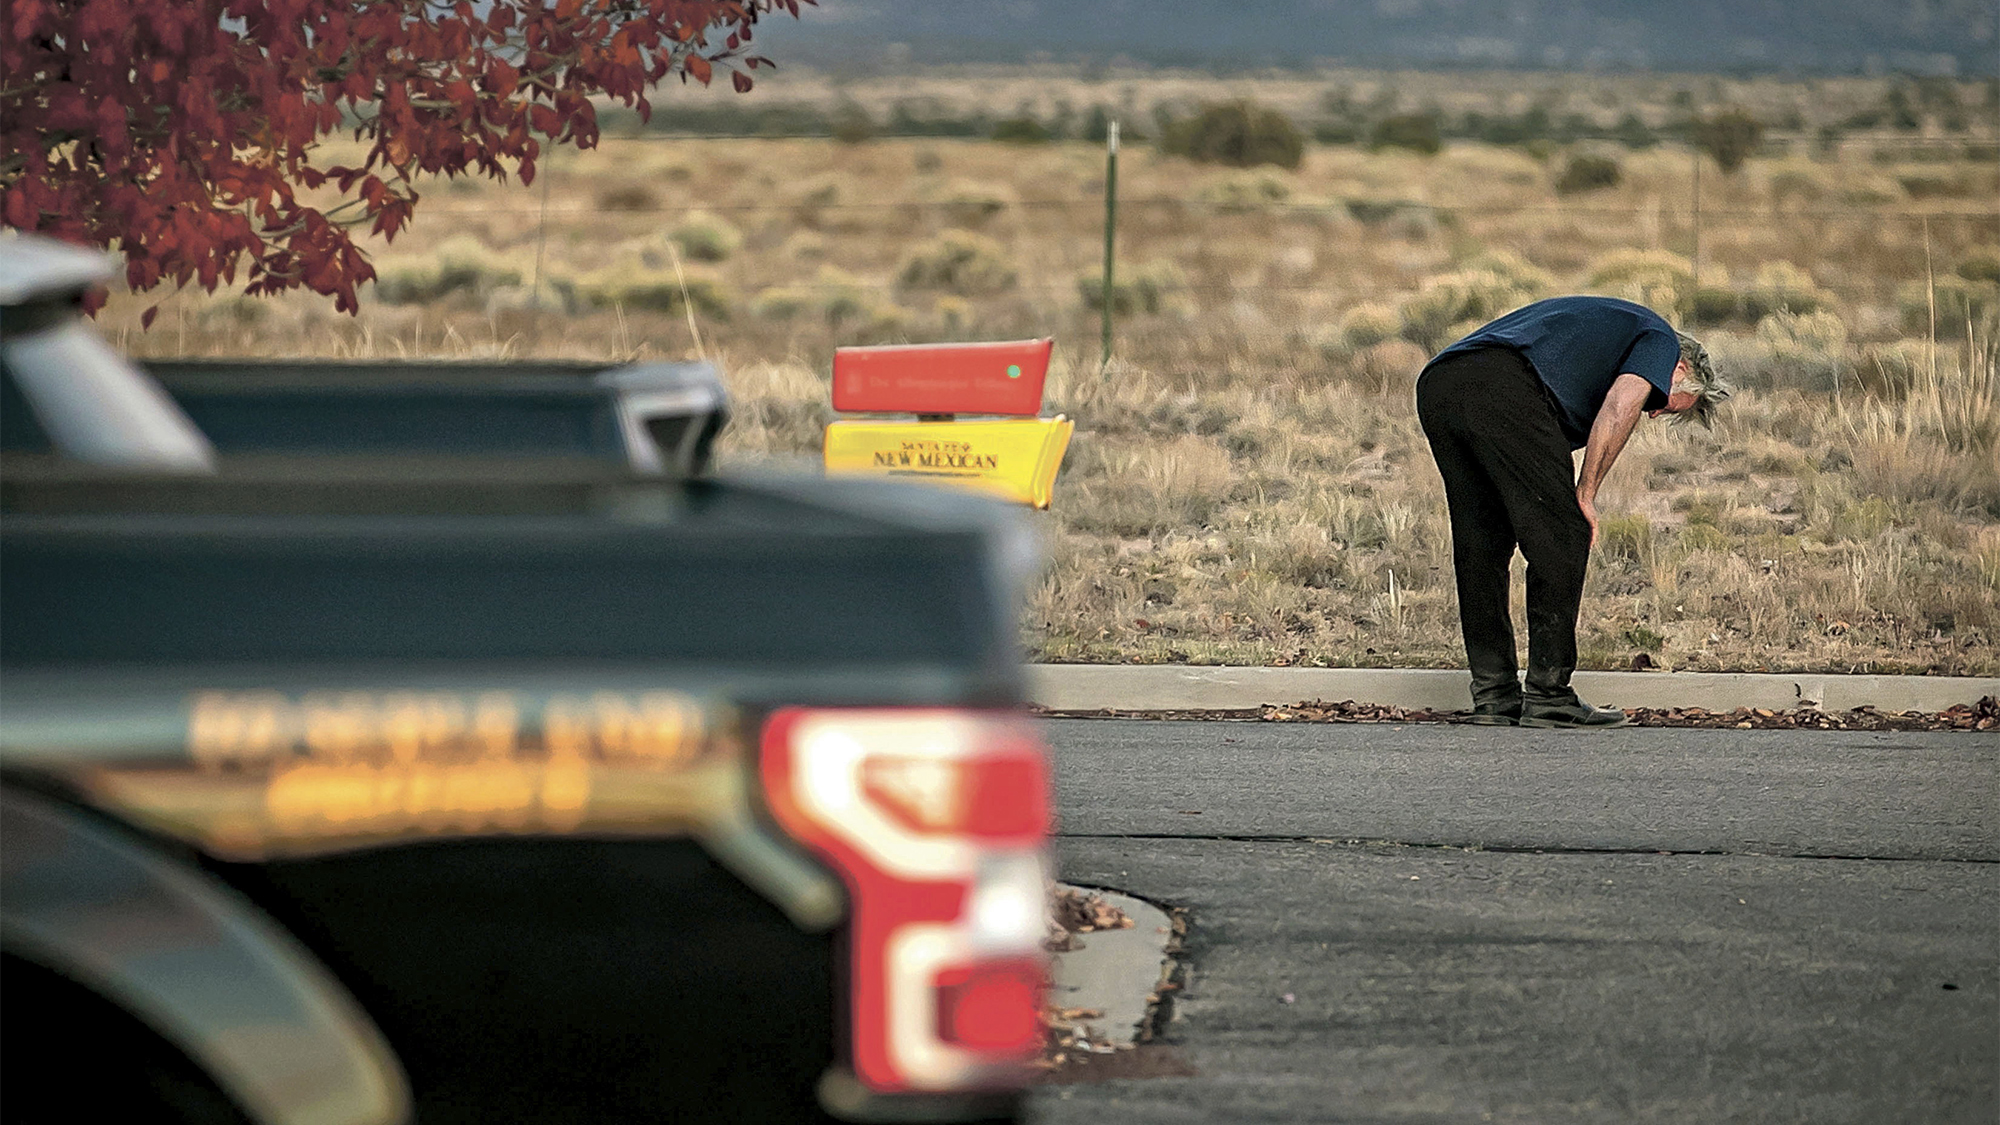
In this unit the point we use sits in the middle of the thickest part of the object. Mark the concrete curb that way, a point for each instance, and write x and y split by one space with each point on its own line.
1115 971
1177 687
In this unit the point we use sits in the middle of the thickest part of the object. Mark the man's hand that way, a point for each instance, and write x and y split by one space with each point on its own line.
1614 423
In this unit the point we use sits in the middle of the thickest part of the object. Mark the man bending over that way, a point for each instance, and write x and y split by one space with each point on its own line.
1503 409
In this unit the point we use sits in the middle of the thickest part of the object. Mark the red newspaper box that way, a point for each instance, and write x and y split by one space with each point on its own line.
985 378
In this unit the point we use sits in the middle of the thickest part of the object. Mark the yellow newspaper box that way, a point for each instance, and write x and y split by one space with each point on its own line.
1013 458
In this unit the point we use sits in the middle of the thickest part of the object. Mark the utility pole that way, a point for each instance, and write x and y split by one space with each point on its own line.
1110 229
1694 298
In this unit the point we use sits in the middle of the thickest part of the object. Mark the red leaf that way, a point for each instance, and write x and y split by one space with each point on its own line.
146 318
201 132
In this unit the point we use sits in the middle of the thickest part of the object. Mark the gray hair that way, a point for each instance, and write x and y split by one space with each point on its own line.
1707 387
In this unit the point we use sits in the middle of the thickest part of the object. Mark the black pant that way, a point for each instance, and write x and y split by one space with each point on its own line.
1509 482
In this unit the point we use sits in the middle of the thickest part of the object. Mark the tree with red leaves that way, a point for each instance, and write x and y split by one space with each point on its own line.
185 133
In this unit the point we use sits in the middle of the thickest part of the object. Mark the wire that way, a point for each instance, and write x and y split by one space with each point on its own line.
1095 206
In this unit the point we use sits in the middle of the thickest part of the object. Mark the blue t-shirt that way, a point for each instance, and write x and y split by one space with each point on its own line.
1579 346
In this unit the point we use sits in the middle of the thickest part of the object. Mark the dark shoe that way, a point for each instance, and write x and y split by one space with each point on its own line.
1494 714
1570 713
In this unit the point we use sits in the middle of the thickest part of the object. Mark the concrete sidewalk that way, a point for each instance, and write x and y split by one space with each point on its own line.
1176 687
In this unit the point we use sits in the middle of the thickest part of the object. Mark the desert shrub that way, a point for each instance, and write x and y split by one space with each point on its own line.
1959 303
851 123
781 302
1989 558
886 323
1388 368
1513 270
1871 191
1893 370
1337 131
1633 132
959 261
1453 301
1496 166
1137 408
1305 554
804 246
666 162
1242 134
234 308
468 264
1698 506
778 423
1365 326
1374 211
855 310
1730 137
1021 131
1417 132
705 238
841 297
1155 487
1716 304
1151 288
969 204
1628 536
1658 279
1588 171
1643 638
1697 537
956 314
1803 350
1096 124
405 281
627 197
657 290
1781 287
1980 264
460 264
1938 442
1863 518
1245 191
814 196
1802 184
1932 185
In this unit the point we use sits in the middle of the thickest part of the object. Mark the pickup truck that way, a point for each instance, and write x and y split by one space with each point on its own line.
350 792
654 418
651 417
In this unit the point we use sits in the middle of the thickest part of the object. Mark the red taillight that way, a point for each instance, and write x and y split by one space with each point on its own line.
937 821
997 796
994 1008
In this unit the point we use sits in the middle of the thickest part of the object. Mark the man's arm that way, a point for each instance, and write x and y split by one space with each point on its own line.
1623 404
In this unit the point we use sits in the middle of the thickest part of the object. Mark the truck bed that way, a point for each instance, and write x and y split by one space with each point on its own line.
593 975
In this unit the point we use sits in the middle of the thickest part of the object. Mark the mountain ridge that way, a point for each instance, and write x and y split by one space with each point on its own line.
1936 37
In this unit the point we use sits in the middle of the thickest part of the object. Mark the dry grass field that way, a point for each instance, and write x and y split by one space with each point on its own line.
1248 484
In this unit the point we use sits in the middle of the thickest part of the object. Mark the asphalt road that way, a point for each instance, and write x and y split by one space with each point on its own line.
1433 923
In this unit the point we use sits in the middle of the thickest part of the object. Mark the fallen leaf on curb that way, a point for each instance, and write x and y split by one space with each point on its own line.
1981 716
1348 711
1082 912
